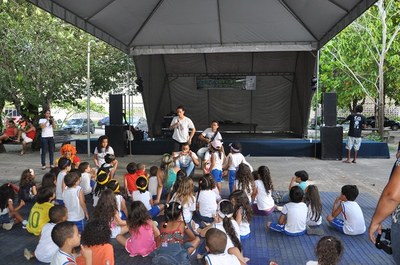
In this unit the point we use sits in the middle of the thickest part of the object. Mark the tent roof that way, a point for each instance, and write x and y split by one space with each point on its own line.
192 26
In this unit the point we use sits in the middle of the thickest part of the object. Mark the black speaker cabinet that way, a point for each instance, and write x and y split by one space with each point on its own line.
117 139
329 111
331 143
115 109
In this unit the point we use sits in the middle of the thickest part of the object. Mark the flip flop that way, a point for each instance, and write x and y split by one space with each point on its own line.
354 162
346 161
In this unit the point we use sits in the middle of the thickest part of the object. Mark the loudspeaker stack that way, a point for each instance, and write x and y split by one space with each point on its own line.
117 139
115 109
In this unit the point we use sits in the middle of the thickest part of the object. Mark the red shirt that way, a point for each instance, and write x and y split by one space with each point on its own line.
131 179
31 134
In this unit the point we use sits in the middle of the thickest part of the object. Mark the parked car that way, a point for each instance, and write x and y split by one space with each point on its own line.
104 121
78 126
394 125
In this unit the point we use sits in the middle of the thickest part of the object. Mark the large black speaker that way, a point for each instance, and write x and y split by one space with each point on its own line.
115 109
117 139
331 142
329 111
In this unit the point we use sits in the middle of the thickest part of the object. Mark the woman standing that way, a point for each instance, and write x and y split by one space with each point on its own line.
47 125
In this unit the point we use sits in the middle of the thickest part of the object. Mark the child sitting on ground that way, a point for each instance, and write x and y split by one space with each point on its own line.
9 215
107 211
215 245
74 200
328 251
66 236
39 214
64 164
142 230
103 177
244 181
153 182
292 221
46 248
177 240
299 179
314 204
27 186
353 223
206 202
242 212
121 204
184 195
111 163
144 196
224 221
86 178
129 182
263 201
96 237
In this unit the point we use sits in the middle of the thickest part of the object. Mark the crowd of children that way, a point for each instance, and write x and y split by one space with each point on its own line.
193 217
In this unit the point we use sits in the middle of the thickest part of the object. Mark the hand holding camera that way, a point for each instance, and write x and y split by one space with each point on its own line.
384 244
51 120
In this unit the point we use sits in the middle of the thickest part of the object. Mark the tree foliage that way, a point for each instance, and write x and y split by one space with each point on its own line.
351 62
44 60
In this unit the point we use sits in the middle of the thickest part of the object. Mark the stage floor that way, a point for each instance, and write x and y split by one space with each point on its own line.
253 144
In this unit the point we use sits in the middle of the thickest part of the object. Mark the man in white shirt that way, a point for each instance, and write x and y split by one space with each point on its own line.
47 124
181 125
186 159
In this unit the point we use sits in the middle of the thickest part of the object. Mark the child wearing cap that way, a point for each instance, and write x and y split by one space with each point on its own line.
213 162
143 195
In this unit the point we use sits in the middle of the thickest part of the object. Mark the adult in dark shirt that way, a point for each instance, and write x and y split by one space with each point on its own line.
357 123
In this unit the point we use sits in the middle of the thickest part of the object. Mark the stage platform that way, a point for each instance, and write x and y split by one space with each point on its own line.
254 144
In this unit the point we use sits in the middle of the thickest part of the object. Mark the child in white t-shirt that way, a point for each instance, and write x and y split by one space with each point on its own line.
233 160
46 248
213 161
74 200
206 201
153 182
353 223
215 244
292 221
86 177
184 195
143 195
263 202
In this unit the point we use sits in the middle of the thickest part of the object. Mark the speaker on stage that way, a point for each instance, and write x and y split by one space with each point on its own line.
331 142
329 111
117 139
115 109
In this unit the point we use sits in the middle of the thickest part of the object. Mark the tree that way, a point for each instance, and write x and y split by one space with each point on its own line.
43 60
357 63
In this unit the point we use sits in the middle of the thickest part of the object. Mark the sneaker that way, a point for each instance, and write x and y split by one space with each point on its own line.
43 167
7 226
27 254
24 222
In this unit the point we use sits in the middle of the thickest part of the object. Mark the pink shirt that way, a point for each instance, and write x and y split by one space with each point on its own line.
141 243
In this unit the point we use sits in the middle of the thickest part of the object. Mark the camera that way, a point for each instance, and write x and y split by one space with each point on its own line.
384 244
51 120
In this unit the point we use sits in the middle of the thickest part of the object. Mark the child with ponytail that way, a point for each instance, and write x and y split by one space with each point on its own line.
224 221
175 247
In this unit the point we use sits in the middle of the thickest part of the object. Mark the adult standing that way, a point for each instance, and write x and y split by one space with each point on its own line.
389 203
357 123
181 125
47 124
207 136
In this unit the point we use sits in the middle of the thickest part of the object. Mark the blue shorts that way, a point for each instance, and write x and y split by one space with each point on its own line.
154 211
217 174
80 224
281 229
60 202
245 236
338 224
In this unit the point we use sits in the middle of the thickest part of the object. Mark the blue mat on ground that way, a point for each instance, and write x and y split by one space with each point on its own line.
261 248
272 246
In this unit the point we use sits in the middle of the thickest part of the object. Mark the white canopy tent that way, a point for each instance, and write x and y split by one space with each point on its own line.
177 42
